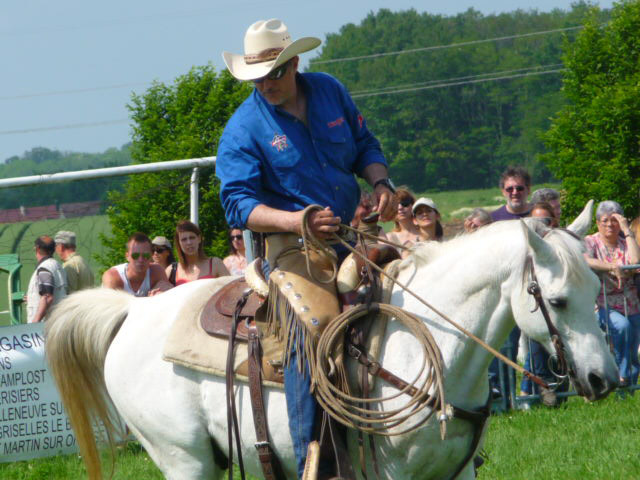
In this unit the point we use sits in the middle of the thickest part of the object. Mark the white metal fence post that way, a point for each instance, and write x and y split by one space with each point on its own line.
195 203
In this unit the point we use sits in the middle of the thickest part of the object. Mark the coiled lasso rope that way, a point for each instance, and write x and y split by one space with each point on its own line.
367 414
361 413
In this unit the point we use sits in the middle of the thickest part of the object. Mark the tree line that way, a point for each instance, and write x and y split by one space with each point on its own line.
460 136
40 160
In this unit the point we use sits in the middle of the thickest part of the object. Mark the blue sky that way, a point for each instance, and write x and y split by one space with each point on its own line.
50 48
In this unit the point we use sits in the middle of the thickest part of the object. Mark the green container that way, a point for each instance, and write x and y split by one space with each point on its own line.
10 292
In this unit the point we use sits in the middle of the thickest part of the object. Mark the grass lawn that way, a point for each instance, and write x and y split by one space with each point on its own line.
575 441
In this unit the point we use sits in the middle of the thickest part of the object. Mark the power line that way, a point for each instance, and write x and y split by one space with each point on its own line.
79 90
362 94
441 47
468 77
453 84
65 127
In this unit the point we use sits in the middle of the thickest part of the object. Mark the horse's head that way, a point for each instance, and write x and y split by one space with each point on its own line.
568 290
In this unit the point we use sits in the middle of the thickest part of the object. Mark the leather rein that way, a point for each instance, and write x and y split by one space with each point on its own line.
558 345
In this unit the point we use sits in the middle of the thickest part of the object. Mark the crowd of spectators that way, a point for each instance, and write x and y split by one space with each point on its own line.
612 247
151 267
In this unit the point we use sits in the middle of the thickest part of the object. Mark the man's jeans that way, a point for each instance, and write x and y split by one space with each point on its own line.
301 406
495 365
540 358
625 337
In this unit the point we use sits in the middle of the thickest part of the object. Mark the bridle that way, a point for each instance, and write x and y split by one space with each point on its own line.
563 368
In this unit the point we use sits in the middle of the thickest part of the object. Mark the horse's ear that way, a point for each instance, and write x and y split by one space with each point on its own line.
542 251
582 224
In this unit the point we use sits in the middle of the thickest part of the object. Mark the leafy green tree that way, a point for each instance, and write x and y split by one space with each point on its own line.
464 134
171 122
595 139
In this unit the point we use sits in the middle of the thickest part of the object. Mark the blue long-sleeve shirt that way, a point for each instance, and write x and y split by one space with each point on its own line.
267 156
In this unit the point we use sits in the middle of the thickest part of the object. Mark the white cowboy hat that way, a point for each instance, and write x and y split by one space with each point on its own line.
267 45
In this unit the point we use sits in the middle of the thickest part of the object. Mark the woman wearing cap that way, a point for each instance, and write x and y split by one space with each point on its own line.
405 232
427 218
162 252
236 263
193 264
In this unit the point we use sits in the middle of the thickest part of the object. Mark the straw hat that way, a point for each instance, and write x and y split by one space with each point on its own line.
267 45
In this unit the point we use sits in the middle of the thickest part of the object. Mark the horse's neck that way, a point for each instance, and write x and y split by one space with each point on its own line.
473 292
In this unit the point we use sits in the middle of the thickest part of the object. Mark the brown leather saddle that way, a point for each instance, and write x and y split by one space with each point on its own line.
218 313
231 313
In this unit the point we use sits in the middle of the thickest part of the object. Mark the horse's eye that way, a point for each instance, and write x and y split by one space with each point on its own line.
558 302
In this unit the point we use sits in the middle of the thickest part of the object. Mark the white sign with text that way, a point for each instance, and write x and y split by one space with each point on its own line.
32 420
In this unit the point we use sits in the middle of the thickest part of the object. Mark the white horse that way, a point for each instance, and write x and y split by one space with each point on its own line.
103 342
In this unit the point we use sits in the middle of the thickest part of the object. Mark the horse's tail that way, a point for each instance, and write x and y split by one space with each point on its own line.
78 334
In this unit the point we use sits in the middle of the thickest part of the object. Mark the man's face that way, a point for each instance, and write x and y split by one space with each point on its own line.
280 91
59 249
139 256
516 193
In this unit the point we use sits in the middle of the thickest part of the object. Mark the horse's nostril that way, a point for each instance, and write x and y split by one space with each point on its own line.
598 386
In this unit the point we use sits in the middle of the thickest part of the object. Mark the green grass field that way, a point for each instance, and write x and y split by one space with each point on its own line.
586 441
18 238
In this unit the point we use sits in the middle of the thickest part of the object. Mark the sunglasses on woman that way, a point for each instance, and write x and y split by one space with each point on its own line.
275 74
517 188
145 255
159 249
236 237
406 202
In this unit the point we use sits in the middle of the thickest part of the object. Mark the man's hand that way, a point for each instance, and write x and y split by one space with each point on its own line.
322 223
386 203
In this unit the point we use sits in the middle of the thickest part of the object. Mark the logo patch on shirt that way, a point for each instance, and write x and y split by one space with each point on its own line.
336 123
360 120
279 142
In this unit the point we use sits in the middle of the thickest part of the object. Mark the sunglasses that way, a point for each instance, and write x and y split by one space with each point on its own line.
236 237
145 255
517 188
423 211
405 203
275 74
160 249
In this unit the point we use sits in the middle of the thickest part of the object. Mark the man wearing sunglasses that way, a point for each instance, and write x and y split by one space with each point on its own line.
515 183
296 141
138 276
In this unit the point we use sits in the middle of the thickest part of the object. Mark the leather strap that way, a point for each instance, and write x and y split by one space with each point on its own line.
268 460
534 290
232 417
374 368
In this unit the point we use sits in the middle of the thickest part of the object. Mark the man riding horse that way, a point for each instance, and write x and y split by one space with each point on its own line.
296 141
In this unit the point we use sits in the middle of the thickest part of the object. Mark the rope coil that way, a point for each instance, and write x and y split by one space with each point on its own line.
361 413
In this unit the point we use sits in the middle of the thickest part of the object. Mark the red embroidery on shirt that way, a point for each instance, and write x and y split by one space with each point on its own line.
336 123
360 120
279 142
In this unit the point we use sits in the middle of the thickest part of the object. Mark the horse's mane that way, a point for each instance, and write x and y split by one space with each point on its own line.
567 247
